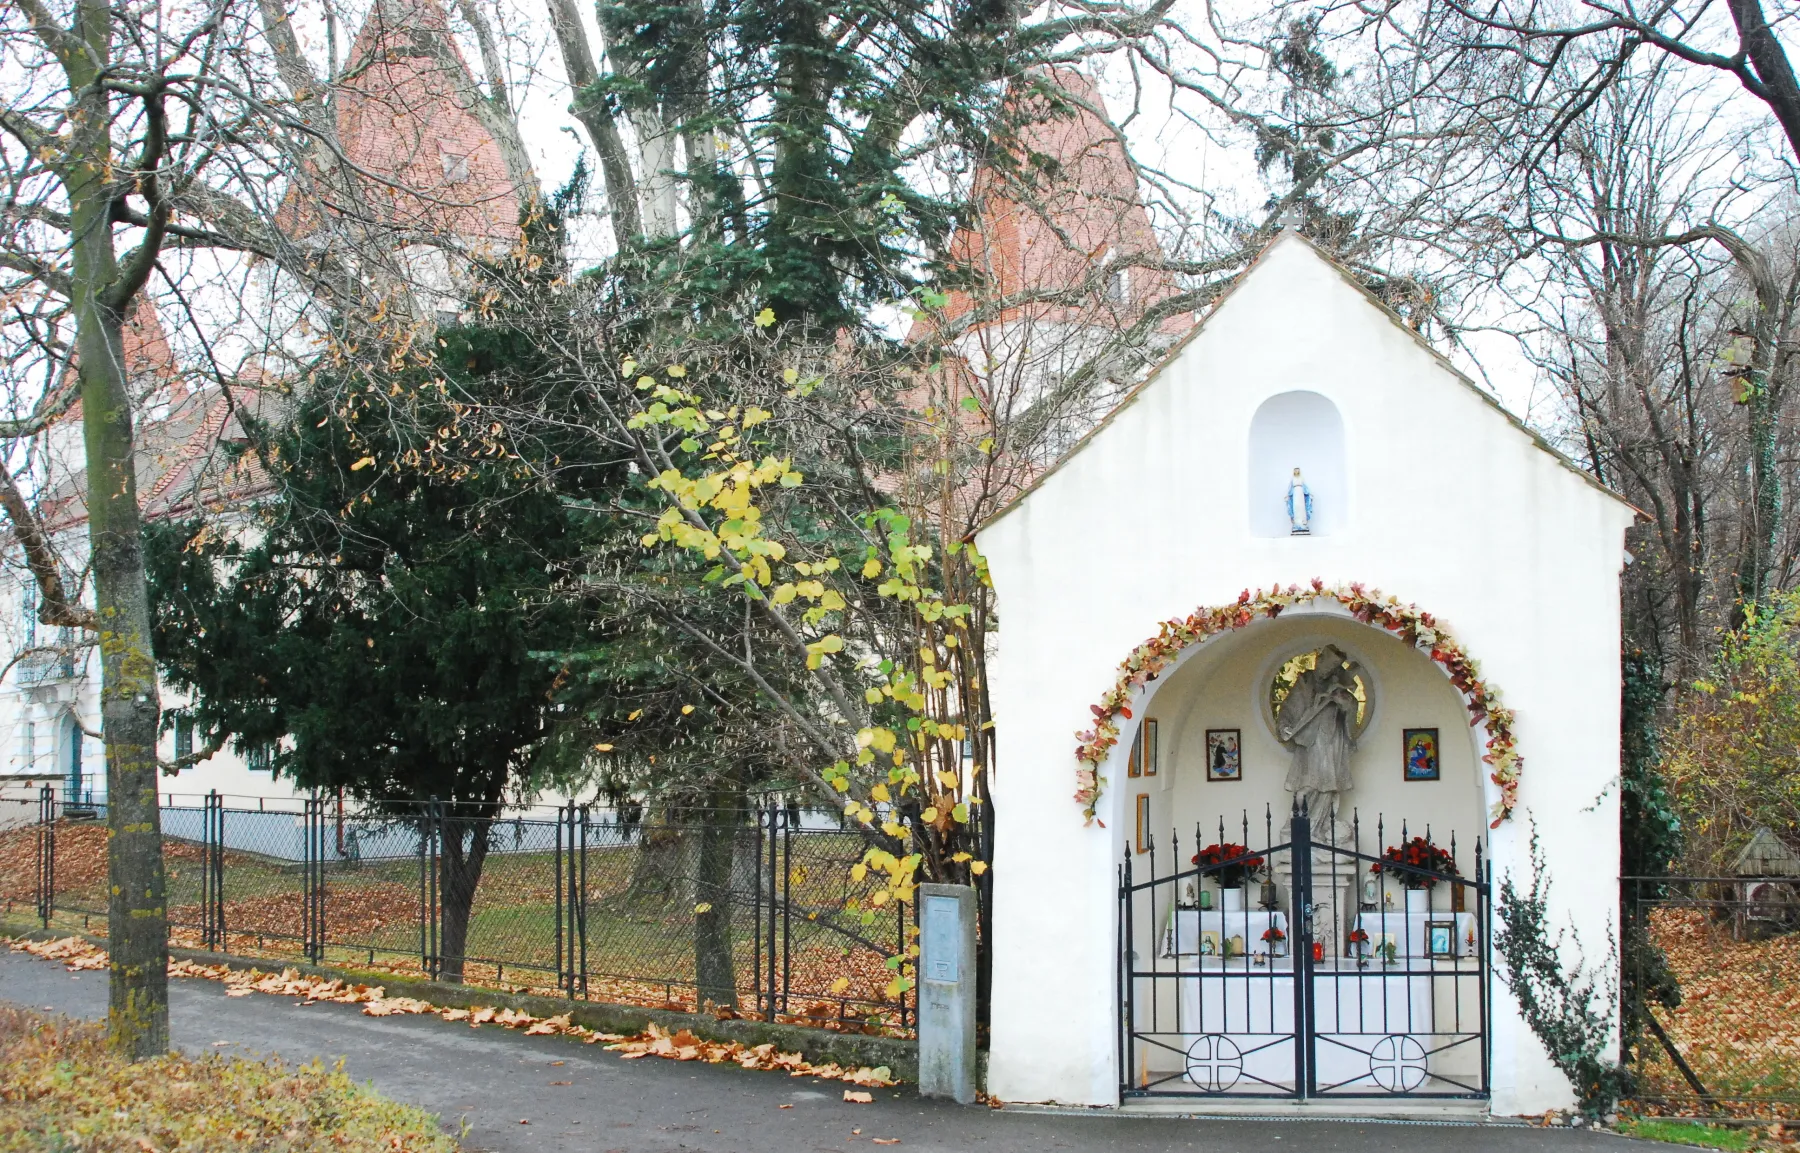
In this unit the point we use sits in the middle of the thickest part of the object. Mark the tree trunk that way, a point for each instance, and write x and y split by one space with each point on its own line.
459 874
655 867
101 292
714 969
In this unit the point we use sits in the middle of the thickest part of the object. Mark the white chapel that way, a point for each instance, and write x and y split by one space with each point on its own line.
1297 648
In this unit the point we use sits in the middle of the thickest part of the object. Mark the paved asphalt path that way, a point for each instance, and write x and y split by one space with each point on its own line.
581 1099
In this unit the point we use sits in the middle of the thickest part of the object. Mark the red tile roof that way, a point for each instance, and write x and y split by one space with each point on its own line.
428 164
1084 213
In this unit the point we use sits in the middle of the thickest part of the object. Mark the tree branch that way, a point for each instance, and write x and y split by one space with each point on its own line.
55 607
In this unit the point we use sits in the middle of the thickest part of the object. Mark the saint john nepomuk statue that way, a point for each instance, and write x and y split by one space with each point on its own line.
1317 721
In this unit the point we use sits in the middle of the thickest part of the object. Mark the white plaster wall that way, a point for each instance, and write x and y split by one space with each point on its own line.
1457 510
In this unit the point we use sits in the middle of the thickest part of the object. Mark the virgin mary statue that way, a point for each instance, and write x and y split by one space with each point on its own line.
1317 721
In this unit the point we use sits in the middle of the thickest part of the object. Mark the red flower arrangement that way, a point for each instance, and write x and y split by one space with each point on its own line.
1358 936
1420 854
1272 933
1408 622
1213 859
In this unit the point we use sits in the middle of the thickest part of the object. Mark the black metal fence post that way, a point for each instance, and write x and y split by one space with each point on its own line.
756 904
564 942
570 863
212 872
1484 892
580 905
773 944
1300 845
787 905
313 880
1128 971
431 846
46 855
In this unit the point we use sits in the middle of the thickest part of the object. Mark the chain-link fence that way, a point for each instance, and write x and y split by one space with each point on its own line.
752 911
1711 983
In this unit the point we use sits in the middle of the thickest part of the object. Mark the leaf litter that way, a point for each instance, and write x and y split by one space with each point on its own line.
654 1041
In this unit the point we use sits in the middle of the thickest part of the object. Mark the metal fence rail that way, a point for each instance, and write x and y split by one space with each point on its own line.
751 911
1711 982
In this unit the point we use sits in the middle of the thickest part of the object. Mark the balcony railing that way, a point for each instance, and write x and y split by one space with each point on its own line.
37 668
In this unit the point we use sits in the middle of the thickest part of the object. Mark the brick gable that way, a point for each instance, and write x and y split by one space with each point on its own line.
429 166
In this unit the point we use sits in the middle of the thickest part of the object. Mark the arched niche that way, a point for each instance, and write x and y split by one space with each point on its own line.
1297 430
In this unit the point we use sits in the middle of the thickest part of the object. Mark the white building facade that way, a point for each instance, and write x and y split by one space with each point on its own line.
1423 491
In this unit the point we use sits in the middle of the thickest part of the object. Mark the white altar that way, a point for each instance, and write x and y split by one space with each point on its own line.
1372 1028
1224 933
1412 934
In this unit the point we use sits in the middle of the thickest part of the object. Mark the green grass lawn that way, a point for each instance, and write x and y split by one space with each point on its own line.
1689 1133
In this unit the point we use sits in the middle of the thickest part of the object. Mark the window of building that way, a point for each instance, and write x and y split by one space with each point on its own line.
184 737
1118 285
455 163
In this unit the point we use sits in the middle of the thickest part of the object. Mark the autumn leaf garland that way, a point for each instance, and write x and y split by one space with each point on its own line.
1408 622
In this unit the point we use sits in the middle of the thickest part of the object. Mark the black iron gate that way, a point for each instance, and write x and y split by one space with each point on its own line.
1305 967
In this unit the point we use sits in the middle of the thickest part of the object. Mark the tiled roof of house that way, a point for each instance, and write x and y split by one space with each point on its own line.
182 438
1082 216
428 165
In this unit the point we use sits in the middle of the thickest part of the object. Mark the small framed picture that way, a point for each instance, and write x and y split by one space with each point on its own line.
1135 763
1224 755
1440 938
1150 746
1209 943
1420 754
1143 822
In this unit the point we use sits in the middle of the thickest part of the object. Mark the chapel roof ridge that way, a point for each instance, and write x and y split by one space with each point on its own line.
1288 232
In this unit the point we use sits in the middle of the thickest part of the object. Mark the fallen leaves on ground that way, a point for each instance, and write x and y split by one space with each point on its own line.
80 858
76 954
358 912
1738 1024
682 1045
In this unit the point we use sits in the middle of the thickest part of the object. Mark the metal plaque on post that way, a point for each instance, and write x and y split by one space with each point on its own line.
947 992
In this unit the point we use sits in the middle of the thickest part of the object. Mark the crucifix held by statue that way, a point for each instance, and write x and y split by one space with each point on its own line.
1317 723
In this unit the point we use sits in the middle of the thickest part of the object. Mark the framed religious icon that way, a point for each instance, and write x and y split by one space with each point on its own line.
1224 755
1143 822
1420 754
1209 942
1134 764
1150 746
1440 938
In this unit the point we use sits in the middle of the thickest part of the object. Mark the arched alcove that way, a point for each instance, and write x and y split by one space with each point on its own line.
1297 430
